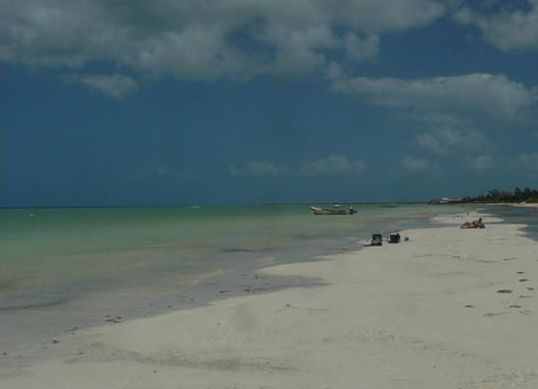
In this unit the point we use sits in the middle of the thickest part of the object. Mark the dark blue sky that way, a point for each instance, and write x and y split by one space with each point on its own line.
338 101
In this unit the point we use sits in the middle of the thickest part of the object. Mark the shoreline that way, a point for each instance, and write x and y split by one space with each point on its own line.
425 313
526 205
239 280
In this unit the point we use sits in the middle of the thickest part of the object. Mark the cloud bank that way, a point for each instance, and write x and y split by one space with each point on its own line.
116 85
446 141
471 96
508 30
203 40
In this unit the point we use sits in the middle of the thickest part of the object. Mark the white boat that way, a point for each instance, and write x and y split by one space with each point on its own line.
446 200
333 211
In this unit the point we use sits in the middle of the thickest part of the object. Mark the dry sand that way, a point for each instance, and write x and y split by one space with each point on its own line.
451 308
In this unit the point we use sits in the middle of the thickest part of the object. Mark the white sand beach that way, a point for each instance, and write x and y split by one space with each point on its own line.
525 205
450 308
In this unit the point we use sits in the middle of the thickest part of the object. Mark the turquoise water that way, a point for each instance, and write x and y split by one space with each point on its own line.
63 267
527 216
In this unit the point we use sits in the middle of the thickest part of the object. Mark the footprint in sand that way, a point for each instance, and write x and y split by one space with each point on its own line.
491 314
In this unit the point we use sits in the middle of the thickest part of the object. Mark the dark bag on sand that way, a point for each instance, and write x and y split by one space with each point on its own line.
394 237
377 240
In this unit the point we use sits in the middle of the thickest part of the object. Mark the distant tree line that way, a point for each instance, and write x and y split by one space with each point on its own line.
505 196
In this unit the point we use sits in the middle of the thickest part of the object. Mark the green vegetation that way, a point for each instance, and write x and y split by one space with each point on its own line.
502 196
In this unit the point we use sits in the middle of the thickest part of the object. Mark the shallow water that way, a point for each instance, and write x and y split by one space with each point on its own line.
76 267
519 215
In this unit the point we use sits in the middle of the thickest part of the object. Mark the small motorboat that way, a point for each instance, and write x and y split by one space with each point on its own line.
333 211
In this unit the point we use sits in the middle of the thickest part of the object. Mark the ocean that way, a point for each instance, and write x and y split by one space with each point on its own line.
68 268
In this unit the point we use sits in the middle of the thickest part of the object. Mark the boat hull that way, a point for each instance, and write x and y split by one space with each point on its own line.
331 211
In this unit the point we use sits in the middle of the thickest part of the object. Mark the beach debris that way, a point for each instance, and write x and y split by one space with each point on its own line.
530 288
224 291
523 280
71 329
117 319
469 306
525 296
520 272
504 291
514 306
55 341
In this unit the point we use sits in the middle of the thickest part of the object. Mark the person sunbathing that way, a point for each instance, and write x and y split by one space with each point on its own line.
474 224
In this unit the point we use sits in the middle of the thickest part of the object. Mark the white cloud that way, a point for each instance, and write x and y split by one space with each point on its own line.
481 162
358 50
448 140
254 169
336 72
475 96
414 164
332 165
202 40
385 16
507 30
115 85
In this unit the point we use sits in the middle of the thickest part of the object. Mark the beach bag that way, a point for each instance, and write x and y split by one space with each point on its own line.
377 240
394 237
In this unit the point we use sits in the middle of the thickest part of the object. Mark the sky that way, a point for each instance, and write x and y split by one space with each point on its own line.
164 102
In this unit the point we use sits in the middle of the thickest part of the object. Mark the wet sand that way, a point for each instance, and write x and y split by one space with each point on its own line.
450 308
